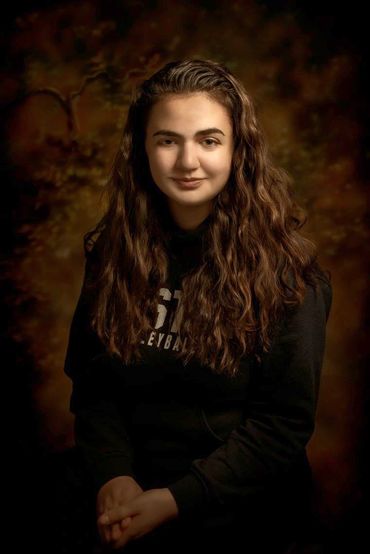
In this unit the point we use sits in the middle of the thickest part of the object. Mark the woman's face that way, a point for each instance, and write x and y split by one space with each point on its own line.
189 136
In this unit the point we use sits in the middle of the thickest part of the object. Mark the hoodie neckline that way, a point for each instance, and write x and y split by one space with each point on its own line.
186 247
188 234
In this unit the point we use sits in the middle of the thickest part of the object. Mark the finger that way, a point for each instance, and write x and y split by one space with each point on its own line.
125 522
103 536
116 532
105 533
109 533
122 541
103 507
115 515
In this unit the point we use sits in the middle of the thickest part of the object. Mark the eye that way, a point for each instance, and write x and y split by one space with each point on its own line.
167 142
162 142
213 141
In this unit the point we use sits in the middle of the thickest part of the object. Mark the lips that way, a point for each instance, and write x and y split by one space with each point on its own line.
189 183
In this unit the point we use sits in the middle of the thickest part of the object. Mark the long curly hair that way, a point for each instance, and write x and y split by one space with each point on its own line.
255 262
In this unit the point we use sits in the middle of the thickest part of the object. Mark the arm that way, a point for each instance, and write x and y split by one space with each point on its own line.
99 428
280 416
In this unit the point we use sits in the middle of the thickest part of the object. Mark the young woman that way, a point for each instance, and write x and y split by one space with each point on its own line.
197 343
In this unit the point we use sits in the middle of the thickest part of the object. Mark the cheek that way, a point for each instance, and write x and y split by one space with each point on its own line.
161 160
219 166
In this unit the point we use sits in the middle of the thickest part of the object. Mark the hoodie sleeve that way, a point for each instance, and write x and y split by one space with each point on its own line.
99 427
280 416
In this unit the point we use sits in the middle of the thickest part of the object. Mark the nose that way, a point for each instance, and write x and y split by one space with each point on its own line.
187 158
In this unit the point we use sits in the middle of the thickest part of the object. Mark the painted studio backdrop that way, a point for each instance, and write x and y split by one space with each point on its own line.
67 72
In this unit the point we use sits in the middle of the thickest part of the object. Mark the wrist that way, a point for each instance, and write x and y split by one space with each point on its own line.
170 501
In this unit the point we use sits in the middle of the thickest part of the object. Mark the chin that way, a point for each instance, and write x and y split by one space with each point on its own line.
189 201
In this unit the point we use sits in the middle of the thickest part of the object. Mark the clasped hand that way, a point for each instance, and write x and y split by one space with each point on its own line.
118 522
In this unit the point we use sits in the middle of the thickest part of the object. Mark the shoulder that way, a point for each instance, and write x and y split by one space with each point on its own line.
310 315
318 292
327 293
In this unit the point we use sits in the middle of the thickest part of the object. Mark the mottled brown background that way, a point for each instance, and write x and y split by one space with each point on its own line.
67 73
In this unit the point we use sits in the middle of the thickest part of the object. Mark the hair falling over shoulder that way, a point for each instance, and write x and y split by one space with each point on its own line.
255 263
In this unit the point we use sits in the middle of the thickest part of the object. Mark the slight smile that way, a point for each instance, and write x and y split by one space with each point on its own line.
189 183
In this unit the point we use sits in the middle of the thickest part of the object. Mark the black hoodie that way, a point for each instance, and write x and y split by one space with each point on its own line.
221 445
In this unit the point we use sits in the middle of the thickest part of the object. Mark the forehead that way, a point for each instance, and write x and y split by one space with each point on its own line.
189 109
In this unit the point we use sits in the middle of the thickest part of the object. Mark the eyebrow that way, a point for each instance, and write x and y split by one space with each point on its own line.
169 133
